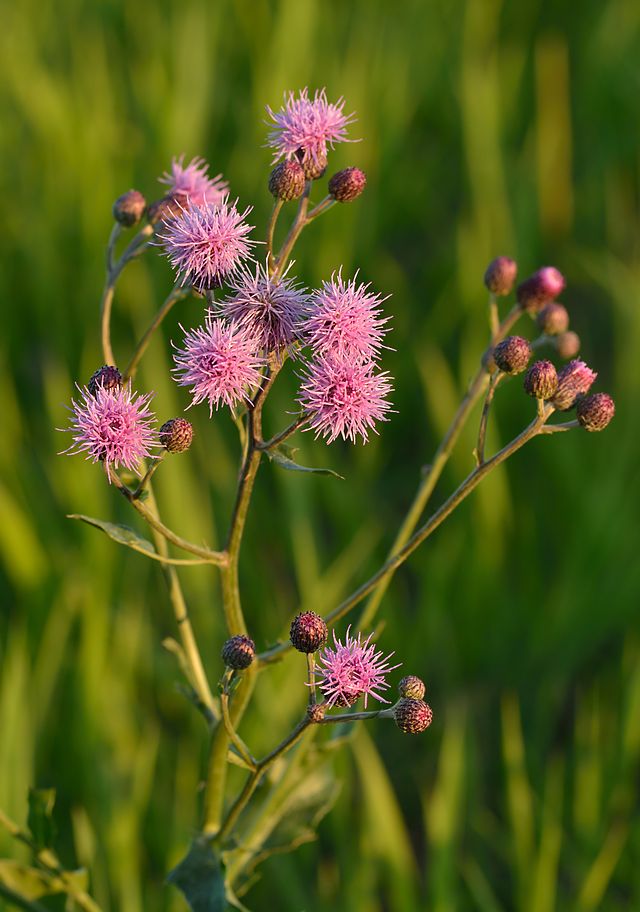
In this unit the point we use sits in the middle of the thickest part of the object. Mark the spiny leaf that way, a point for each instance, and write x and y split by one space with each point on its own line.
283 456
200 877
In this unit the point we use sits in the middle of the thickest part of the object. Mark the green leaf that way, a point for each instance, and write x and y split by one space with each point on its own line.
40 820
200 877
121 534
283 456
28 882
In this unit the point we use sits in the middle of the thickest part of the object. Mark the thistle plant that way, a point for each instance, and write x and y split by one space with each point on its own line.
257 319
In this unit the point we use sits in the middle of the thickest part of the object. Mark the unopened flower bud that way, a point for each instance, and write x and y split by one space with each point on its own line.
500 275
313 168
595 412
316 712
287 180
540 288
574 380
411 686
107 377
412 716
238 652
567 344
512 354
541 380
129 208
164 209
176 435
553 319
308 632
347 185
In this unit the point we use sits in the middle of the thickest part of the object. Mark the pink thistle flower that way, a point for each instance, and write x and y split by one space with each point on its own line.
206 242
305 125
346 320
344 398
191 185
219 362
352 670
272 311
112 426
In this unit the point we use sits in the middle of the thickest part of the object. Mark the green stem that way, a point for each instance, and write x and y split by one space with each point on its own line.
199 680
148 475
177 293
482 431
385 713
234 737
254 778
323 206
270 233
219 558
283 435
397 559
134 249
294 232
427 486
494 317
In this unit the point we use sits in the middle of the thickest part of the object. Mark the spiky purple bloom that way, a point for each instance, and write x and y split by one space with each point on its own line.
344 398
272 311
113 426
575 379
307 125
351 670
204 243
192 186
346 320
219 361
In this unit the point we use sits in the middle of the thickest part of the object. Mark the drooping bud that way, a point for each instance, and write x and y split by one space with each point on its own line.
308 632
164 209
501 275
540 288
176 435
541 380
238 652
412 686
595 412
553 319
347 185
313 168
512 355
316 712
412 716
574 380
567 344
287 180
107 377
129 208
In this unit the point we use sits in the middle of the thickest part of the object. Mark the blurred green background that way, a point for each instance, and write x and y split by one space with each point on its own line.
487 127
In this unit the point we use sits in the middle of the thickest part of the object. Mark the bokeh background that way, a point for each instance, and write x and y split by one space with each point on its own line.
487 127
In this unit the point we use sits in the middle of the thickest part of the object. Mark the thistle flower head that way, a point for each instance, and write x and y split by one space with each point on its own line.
113 426
129 208
351 670
500 275
307 125
595 412
567 344
206 242
541 380
219 361
347 185
575 379
512 354
176 435
272 311
412 686
344 397
308 632
192 186
107 376
412 716
287 180
553 319
540 288
346 320
238 652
